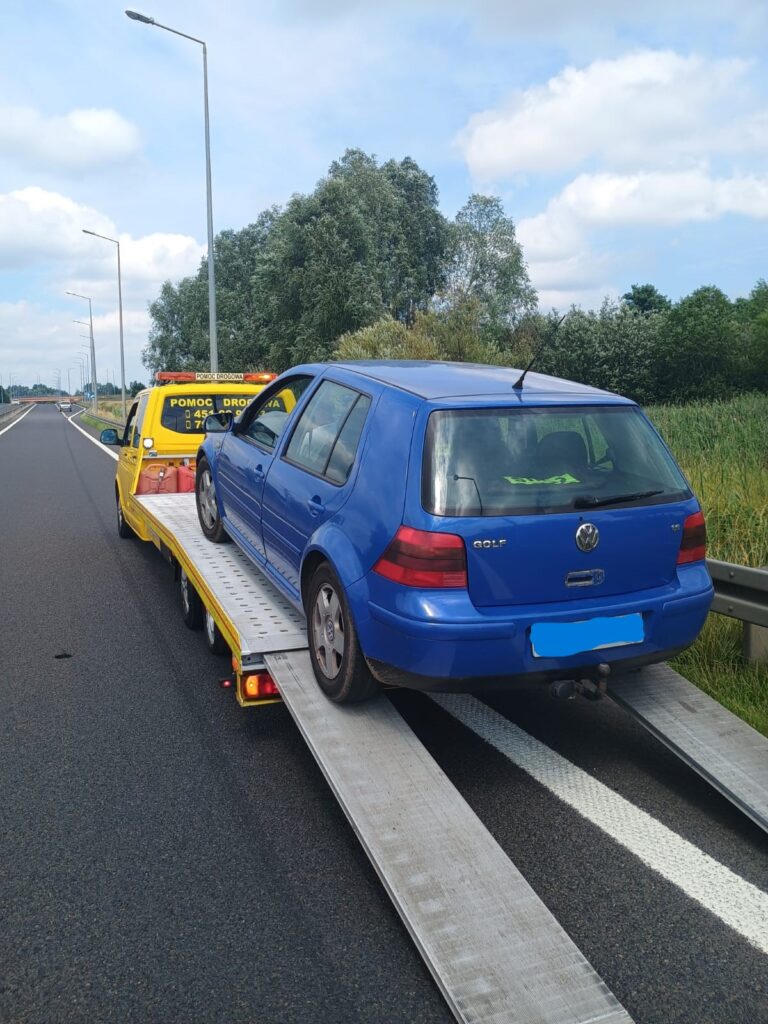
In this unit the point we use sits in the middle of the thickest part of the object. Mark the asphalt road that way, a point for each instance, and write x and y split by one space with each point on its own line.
168 857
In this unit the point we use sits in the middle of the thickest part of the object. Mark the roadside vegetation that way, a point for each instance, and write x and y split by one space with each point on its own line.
723 449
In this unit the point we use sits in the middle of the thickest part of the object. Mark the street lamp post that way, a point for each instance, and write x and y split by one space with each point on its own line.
80 360
93 346
120 308
135 16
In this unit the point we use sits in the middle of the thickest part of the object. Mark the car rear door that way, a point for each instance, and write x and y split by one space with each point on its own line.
312 479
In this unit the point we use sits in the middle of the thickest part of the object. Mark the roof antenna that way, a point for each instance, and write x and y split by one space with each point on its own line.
518 385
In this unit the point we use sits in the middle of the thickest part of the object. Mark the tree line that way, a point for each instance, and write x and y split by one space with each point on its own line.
366 266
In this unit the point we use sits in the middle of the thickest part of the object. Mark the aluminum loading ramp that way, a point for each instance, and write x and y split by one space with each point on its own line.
722 748
496 952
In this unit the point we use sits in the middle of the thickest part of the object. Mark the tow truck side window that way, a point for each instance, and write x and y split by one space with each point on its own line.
129 426
139 423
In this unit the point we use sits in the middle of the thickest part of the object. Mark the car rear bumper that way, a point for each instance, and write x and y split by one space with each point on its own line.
451 644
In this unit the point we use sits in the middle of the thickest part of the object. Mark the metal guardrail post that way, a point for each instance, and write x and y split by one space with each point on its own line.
742 593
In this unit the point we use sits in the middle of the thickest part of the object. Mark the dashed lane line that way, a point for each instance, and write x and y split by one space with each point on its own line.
738 903
18 420
85 433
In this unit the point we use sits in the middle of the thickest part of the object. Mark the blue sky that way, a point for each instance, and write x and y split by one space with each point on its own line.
629 142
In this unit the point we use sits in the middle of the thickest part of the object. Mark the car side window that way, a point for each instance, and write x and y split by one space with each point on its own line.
265 419
327 434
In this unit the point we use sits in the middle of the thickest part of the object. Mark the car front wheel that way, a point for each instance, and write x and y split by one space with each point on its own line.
337 659
207 505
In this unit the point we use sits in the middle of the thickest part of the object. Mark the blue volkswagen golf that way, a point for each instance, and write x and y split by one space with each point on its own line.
445 526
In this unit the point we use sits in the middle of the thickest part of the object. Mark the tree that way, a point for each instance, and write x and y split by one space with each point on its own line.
485 264
696 358
367 243
135 387
646 298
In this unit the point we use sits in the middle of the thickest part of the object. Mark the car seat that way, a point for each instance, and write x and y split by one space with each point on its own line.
562 451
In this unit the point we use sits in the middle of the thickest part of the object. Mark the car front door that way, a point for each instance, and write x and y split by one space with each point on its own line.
311 480
246 454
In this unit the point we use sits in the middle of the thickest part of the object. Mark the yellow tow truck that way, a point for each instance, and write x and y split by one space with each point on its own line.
165 427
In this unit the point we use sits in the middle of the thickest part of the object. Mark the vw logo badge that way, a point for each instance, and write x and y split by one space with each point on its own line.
587 537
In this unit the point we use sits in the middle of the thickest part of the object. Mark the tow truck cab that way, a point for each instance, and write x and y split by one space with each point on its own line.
164 430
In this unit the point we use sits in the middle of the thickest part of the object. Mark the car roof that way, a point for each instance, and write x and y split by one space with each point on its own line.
438 380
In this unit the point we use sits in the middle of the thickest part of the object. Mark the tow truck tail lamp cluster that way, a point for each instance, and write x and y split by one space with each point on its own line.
191 377
693 546
259 684
421 558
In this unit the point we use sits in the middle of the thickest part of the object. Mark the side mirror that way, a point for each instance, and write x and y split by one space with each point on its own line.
109 436
218 423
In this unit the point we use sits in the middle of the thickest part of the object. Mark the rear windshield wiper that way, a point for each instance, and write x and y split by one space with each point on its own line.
590 501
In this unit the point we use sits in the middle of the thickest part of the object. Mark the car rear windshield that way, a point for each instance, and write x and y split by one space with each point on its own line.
494 462
185 414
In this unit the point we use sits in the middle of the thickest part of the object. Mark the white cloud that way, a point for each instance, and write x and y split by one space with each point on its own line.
644 109
42 231
81 140
557 242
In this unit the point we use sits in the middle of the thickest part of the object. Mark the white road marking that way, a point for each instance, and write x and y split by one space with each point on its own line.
736 902
85 433
18 419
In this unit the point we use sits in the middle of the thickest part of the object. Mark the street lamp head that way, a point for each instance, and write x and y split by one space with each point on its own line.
135 16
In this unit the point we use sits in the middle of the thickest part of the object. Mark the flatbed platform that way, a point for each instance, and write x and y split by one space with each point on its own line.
251 613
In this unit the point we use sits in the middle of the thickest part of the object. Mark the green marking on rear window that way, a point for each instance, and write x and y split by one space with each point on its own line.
564 478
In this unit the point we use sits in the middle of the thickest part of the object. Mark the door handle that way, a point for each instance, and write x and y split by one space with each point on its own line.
258 473
315 506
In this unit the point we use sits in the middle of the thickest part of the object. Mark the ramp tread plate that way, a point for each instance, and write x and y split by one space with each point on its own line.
728 753
264 619
496 952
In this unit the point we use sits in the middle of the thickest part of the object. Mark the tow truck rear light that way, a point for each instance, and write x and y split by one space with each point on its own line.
693 546
259 684
421 558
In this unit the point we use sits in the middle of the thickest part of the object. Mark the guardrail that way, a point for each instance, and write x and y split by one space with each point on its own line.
103 419
740 592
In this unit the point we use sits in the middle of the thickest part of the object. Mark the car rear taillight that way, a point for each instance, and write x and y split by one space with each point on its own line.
420 558
693 546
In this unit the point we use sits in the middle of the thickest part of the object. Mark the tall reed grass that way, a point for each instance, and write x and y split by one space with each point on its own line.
723 450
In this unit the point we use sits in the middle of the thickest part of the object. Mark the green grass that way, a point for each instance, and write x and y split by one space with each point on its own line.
723 449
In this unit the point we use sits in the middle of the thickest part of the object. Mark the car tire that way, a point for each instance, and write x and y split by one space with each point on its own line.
191 605
123 529
214 641
338 662
207 504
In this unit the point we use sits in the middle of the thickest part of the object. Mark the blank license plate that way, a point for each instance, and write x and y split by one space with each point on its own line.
562 639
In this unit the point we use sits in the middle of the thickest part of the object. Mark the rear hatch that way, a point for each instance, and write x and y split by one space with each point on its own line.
555 503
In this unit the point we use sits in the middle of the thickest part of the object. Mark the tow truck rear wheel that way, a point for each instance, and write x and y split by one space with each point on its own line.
207 505
214 640
191 605
123 529
338 662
